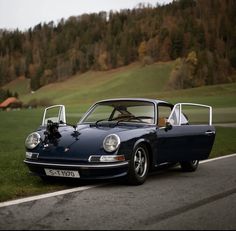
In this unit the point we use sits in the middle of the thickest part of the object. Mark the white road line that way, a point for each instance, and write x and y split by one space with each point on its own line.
218 158
43 196
78 189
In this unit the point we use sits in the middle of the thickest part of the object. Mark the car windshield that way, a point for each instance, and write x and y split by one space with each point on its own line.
121 111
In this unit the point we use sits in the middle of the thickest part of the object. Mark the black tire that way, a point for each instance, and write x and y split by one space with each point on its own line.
189 166
139 166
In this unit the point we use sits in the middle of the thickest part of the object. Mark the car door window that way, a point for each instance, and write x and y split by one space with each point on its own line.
175 117
190 114
163 114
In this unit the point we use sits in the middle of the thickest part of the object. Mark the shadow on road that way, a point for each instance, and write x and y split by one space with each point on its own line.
160 172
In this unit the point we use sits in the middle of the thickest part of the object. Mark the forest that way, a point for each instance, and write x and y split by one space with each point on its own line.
199 34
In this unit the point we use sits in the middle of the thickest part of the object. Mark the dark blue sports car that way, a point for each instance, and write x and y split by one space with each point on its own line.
120 138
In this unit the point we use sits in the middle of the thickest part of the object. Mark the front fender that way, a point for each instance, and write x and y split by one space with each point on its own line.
128 146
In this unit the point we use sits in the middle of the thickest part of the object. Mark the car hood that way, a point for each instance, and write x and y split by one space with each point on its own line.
79 144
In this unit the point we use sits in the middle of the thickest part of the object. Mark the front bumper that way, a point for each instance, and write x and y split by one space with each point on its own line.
86 171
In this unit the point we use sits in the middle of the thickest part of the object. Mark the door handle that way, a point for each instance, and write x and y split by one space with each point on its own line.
210 132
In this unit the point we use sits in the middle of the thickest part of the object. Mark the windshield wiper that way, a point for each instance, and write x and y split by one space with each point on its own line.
122 120
129 118
110 123
138 118
98 121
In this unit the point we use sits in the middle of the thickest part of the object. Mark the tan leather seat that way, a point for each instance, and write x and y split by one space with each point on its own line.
162 121
120 116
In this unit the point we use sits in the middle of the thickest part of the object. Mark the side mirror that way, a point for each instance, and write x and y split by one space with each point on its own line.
168 126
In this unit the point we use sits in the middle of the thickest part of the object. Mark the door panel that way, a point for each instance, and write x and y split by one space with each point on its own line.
185 143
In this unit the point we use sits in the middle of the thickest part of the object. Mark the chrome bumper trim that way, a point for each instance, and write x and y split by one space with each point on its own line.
79 165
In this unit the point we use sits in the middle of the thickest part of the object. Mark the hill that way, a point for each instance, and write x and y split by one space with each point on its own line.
133 80
130 81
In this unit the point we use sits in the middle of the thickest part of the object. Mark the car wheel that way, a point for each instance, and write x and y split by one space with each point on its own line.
189 166
139 166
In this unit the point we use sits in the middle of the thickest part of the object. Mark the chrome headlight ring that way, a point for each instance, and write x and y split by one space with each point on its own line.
32 140
111 143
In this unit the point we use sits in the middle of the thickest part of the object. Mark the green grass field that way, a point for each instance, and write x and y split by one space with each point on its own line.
78 93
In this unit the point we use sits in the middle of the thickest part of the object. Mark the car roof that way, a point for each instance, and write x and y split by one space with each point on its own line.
155 101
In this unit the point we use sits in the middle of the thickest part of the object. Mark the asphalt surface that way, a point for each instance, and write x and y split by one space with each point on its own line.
169 199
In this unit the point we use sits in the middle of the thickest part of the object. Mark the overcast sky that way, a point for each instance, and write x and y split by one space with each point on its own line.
23 14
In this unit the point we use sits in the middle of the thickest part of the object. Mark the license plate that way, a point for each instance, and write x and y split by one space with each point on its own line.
62 173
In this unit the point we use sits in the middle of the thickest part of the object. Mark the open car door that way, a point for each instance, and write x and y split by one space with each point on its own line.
54 114
189 135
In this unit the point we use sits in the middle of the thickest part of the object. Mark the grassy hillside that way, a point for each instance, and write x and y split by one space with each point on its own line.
20 85
134 80
130 81
80 91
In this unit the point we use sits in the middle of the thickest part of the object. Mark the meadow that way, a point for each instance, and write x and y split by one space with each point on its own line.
78 93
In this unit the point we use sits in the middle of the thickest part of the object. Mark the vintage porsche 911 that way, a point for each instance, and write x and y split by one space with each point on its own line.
124 137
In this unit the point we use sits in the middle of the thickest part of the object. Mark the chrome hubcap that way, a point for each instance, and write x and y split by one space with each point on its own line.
140 162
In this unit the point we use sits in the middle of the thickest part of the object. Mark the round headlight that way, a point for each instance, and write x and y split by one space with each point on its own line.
32 140
111 143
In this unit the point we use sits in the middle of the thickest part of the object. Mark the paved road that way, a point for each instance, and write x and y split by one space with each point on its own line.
170 199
